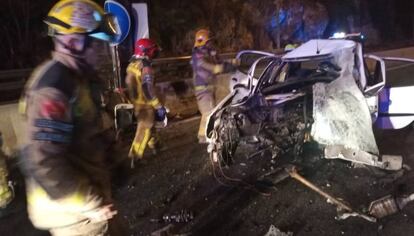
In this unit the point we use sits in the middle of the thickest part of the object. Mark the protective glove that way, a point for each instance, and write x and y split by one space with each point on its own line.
102 213
160 113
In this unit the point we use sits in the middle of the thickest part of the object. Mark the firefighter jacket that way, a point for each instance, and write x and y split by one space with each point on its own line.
62 156
206 66
140 83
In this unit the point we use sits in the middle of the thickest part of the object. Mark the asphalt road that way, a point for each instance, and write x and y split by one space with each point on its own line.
180 177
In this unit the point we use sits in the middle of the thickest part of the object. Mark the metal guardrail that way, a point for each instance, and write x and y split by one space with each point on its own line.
176 69
13 79
170 69
14 73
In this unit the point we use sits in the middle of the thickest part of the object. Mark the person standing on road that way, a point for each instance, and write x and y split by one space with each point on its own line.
140 84
67 182
206 65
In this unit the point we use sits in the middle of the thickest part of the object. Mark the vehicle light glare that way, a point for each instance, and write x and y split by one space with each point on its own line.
339 35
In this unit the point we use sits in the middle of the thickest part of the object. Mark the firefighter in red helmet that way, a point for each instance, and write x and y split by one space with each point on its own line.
140 84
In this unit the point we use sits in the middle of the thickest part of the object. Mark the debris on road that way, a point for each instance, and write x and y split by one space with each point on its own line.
182 216
164 231
341 205
273 231
389 205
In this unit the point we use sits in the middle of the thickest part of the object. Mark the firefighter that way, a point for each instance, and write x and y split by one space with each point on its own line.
67 183
140 84
206 65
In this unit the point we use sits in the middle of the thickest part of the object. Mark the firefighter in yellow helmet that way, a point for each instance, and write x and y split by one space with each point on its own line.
67 183
206 65
140 83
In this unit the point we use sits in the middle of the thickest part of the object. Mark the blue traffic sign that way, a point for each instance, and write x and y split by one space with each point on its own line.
122 20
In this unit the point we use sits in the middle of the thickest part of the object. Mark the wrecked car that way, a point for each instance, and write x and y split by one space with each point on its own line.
326 91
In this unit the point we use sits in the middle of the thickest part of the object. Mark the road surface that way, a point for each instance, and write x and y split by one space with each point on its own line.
180 177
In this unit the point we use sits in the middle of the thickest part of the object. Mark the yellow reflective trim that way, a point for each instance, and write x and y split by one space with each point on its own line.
144 142
22 108
139 147
201 87
39 196
154 102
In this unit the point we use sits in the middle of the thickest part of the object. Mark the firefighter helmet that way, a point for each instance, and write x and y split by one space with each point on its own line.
80 17
146 48
201 38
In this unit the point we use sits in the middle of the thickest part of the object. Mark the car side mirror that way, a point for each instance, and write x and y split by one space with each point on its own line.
376 76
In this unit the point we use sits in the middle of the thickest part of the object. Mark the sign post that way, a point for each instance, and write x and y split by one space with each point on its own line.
122 22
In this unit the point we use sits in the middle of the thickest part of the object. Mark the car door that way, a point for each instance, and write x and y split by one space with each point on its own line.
247 60
395 99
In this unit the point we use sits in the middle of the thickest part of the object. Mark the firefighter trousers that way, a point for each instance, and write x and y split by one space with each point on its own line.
206 103
143 133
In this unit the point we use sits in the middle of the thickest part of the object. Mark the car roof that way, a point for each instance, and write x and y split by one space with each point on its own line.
318 49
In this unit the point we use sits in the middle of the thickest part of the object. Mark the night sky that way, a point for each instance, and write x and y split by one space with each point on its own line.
239 24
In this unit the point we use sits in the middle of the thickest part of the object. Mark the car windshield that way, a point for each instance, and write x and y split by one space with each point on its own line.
279 73
247 59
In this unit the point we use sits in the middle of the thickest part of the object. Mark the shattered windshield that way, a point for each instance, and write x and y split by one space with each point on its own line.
247 59
279 74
